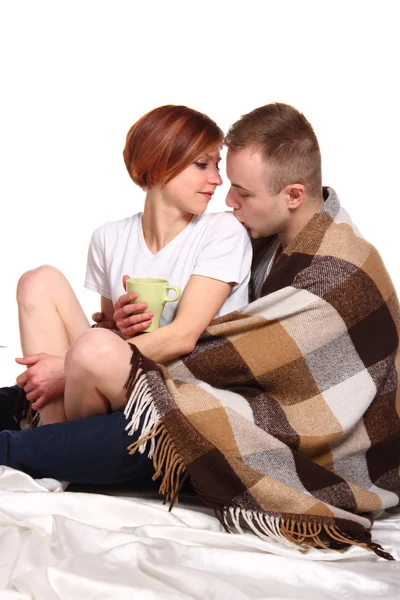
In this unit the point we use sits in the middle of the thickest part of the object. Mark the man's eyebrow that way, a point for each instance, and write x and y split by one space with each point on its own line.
240 187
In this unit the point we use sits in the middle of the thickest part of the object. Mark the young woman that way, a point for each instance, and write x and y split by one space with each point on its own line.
173 154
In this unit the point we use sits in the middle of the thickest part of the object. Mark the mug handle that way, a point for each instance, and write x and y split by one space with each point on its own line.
177 293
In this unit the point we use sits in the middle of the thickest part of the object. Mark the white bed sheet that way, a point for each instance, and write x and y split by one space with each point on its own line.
71 545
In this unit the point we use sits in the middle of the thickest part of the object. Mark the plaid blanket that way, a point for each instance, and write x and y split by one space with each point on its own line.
285 416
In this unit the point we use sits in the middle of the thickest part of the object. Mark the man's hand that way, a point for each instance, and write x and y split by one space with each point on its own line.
130 318
101 321
44 378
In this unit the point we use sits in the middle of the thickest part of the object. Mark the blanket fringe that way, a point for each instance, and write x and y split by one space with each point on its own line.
298 534
166 461
26 416
140 402
154 435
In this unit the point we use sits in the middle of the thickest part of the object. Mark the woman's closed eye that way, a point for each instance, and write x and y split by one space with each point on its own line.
204 165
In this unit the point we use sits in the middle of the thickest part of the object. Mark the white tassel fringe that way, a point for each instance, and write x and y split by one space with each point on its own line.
264 526
139 402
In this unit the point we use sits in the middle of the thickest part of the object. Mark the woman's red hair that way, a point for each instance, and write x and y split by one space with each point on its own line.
165 141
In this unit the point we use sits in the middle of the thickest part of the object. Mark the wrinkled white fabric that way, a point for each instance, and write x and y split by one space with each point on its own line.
71 545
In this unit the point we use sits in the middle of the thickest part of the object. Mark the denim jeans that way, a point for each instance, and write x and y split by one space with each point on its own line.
84 451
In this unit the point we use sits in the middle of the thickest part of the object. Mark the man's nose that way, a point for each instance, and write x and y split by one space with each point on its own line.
230 201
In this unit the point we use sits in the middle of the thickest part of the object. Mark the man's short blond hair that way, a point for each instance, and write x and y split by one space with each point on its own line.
287 142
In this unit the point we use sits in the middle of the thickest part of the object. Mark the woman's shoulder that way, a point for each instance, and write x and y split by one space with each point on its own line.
225 219
118 227
225 225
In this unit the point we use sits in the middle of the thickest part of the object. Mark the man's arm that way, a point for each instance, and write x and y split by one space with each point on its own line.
105 318
107 308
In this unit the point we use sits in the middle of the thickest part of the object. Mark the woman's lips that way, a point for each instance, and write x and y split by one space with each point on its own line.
207 195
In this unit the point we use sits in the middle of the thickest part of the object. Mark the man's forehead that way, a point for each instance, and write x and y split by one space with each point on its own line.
246 156
245 167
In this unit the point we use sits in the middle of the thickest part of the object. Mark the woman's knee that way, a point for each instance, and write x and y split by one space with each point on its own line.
92 352
35 286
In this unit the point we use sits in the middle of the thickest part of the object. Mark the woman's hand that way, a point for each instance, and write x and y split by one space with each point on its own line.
129 317
43 380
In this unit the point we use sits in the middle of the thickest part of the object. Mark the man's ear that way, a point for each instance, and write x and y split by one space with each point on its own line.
295 194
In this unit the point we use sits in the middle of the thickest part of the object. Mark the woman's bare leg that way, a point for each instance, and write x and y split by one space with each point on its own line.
50 320
50 316
97 367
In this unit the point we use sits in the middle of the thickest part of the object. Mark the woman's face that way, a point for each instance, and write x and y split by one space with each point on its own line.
193 188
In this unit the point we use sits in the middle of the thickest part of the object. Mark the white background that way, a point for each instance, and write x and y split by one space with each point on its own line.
76 74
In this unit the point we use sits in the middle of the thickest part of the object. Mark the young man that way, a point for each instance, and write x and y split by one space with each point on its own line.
274 166
324 360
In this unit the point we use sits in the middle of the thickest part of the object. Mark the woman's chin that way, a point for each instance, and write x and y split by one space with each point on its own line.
199 210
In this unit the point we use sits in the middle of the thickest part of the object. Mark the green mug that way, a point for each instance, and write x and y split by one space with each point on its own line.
155 293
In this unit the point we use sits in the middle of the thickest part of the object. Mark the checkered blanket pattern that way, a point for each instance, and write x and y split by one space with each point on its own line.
286 414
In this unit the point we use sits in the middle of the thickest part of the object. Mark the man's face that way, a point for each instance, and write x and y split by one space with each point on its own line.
262 213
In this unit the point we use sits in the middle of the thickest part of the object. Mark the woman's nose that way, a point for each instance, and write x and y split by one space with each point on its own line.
215 177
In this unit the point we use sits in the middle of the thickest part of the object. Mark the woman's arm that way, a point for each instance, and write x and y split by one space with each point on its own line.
200 302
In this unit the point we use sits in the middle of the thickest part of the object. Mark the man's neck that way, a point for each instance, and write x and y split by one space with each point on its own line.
301 217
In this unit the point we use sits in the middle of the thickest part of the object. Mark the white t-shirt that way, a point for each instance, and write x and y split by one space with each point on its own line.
214 245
